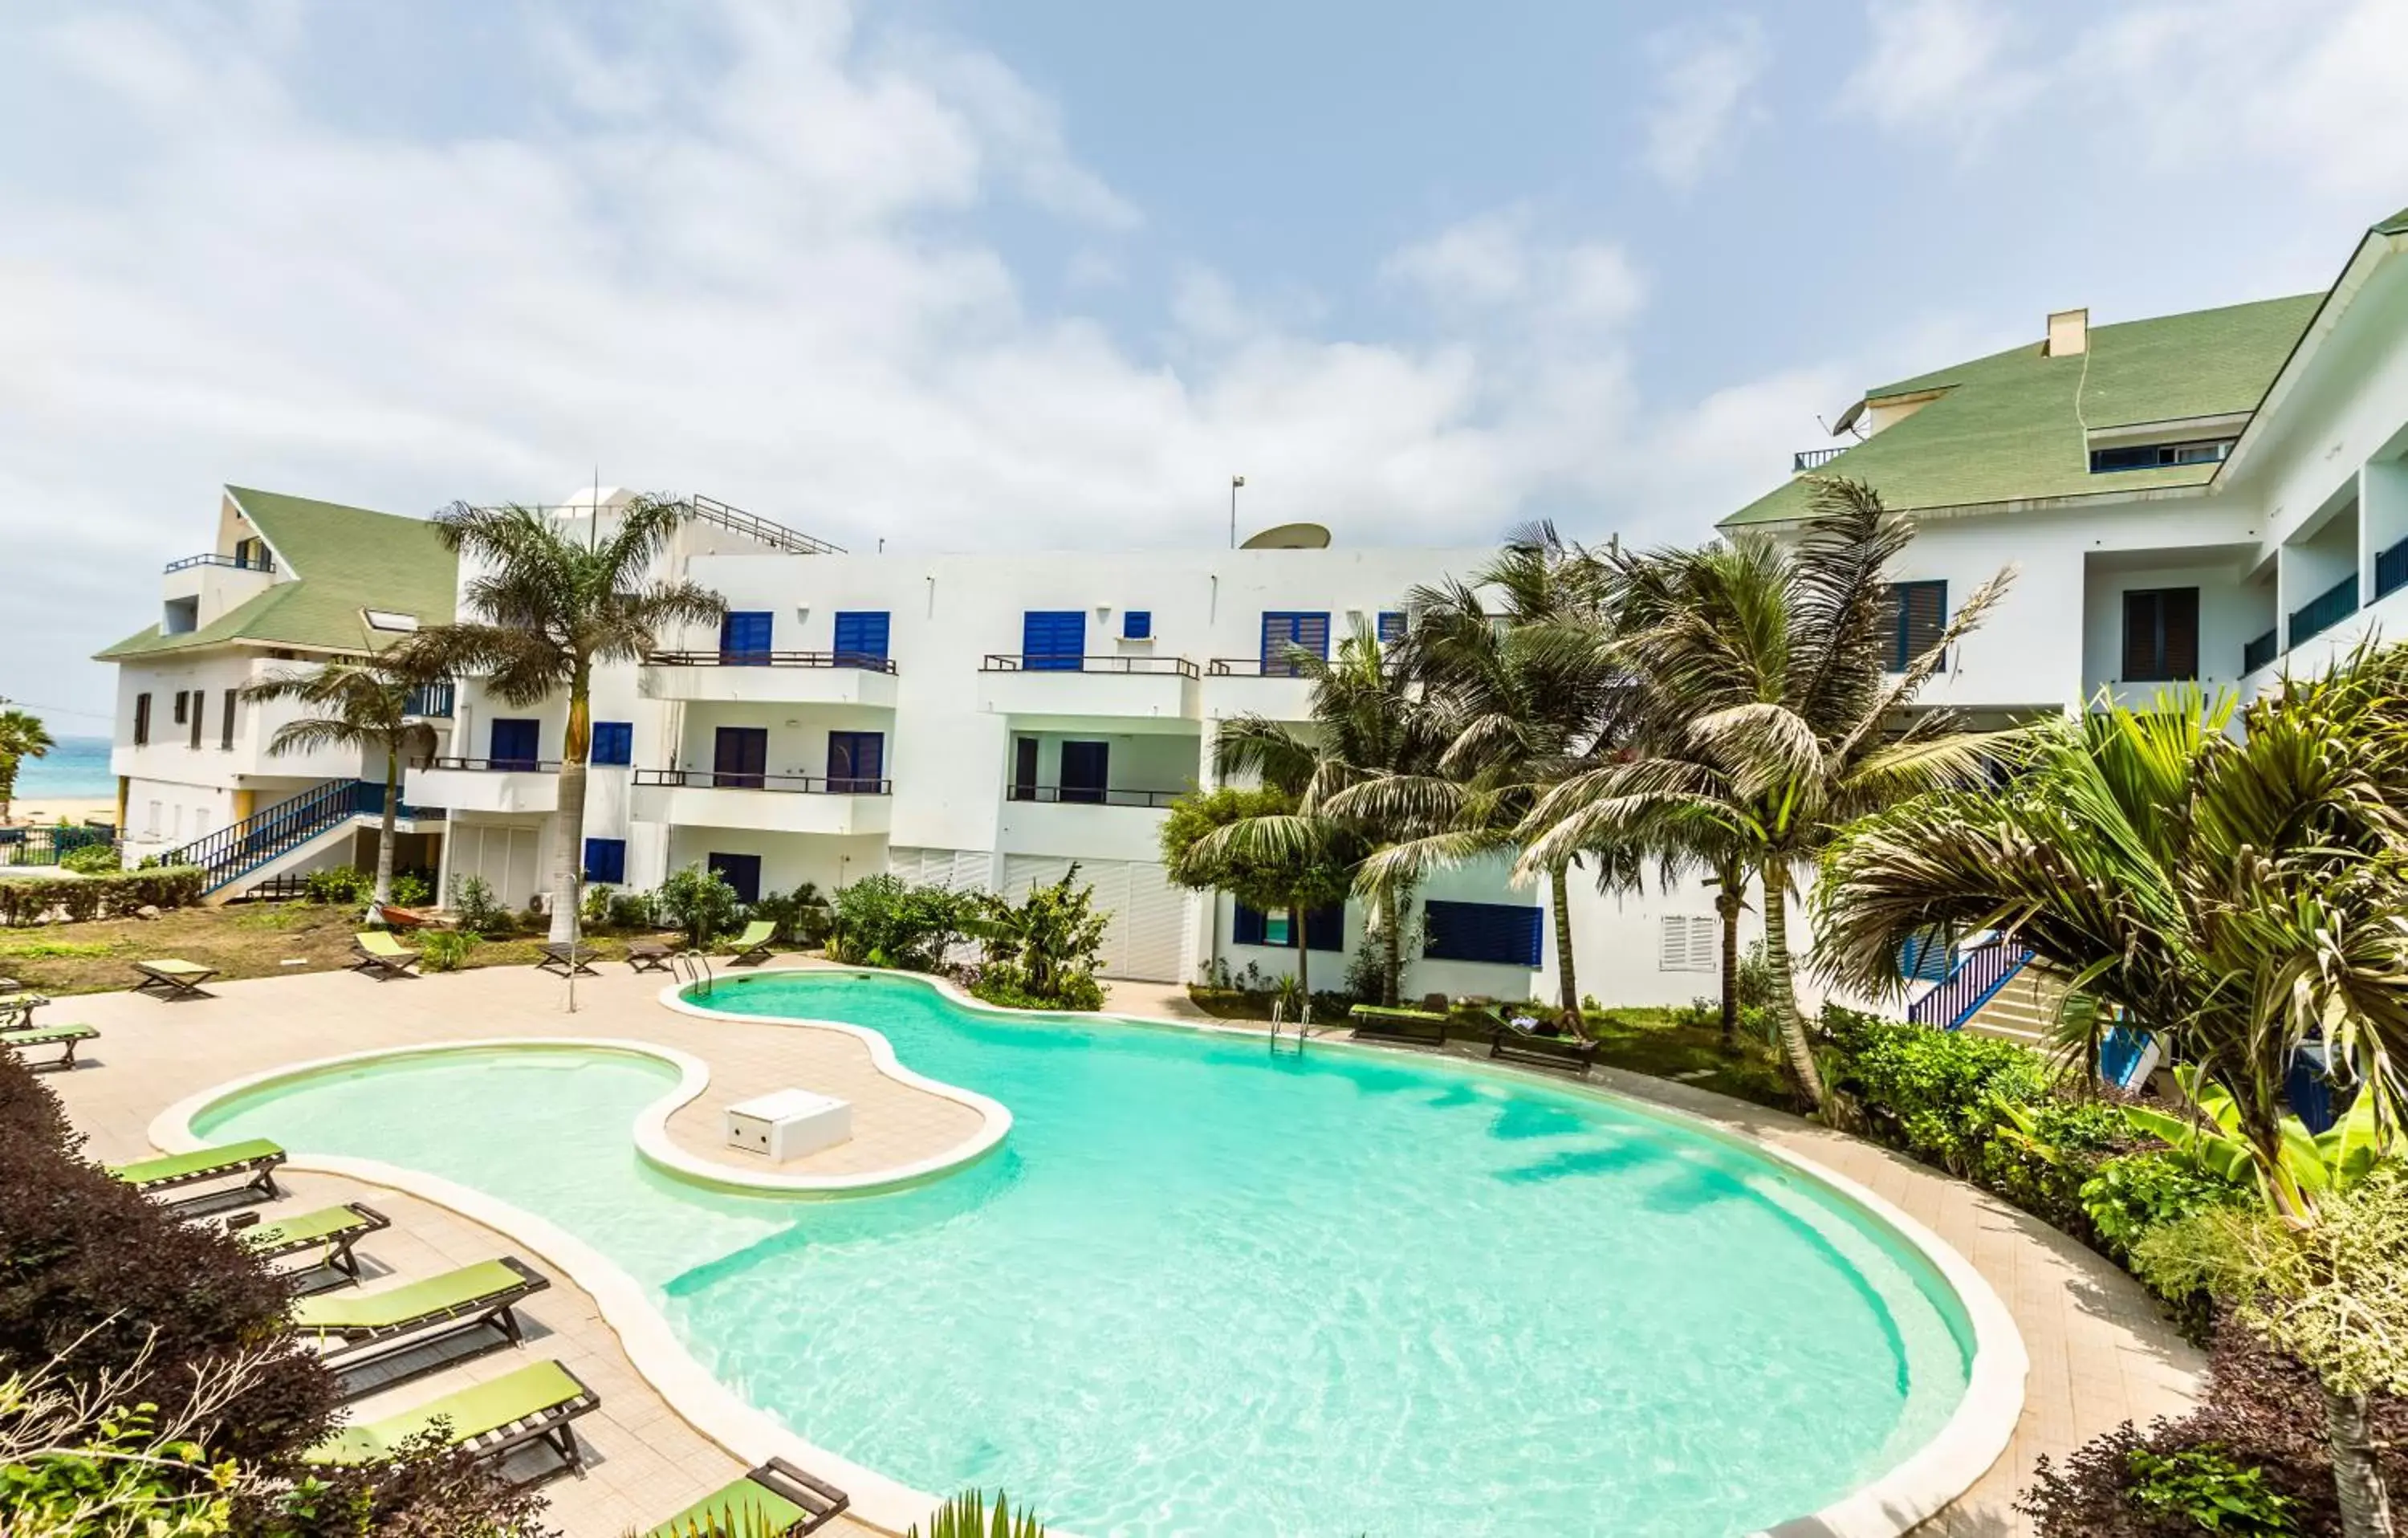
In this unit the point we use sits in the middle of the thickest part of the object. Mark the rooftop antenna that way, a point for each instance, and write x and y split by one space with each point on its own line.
1235 481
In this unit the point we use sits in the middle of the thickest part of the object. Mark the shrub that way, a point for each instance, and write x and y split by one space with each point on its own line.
594 905
412 888
476 910
887 921
91 859
701 902
446 950
2050 1150
803 916
1931 1092
2129 1196
966 1516
1047 946
631 911
339 885
1007 985
28 900
2205 1488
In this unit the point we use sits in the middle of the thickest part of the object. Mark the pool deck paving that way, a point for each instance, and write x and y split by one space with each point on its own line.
2100 1351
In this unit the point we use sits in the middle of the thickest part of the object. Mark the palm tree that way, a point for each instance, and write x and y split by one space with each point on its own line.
364 704
547 607
21 736
1767 713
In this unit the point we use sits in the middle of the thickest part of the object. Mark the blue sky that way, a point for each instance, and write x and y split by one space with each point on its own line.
963 273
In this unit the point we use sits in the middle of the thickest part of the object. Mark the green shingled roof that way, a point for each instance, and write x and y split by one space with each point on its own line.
333 561
2007 427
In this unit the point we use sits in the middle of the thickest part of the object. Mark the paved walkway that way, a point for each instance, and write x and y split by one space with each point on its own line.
2101 1354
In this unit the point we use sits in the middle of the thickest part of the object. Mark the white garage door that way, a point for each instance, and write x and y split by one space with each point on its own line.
505 858
1147 936
954 869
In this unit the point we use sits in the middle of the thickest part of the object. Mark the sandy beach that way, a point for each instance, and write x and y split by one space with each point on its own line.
38 810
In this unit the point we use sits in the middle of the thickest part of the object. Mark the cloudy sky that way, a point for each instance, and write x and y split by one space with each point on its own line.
1040 273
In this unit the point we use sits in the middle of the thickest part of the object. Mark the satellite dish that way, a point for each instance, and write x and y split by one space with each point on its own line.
1290 537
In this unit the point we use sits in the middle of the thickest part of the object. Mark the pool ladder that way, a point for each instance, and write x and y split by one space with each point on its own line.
692 970
1303 1024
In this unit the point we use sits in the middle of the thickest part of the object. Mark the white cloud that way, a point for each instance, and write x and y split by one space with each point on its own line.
1703 100
1941 67
1482 261
1495 263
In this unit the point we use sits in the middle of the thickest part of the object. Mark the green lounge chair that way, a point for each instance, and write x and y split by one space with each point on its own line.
359 1328
1512 1043
170 979
255 1157
332 1232
774 1501
376 952
752 947
62 1037
1398 1026
17 1009
536 1404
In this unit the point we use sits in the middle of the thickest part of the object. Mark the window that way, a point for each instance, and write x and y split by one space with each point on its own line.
182 709
1324 929
1087 769
1283 630
1392 627
1024 768
513 744
1918 612
226 724
151 828
860 638
142 731
857 763
198 700
739 758
1690 944
741 871
1504 933
2152 457
2160 634
1052 640
1137 625
744 638
390 620
606 860
614 743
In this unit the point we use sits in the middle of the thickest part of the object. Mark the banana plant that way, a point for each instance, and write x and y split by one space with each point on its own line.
2314 1163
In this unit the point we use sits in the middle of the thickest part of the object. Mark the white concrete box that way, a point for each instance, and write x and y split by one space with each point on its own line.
789 1123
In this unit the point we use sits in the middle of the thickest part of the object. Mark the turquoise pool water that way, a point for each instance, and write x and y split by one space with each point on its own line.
1203 1290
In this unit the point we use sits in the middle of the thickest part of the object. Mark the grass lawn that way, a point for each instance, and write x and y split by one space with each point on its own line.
246 940
1651 1041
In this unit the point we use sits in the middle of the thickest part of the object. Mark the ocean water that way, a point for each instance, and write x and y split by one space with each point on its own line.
1200 1289
76 767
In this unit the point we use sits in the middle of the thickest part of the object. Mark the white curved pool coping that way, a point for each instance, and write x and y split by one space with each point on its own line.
1909 1494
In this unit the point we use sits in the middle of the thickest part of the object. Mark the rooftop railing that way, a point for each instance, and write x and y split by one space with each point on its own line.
866 661
1810 459
1008 662
802 784
262 562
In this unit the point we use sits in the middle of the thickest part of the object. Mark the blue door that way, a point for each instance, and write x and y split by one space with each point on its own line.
513 744
857 763
740 758
1282 630
744 638
741 871
860 640
1054 639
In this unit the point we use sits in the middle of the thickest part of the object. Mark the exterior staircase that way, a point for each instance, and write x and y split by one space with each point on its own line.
2023 1010
284 836
1991 987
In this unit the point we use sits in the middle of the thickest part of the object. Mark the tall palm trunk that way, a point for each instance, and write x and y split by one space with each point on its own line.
1303 984
2358 1480
8 782
1392 974
384 832
1784 988
1559 903
1726 905
569 859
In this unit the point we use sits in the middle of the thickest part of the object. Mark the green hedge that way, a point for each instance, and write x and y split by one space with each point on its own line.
29 899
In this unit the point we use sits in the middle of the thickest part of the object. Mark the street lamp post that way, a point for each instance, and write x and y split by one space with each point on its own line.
1235 481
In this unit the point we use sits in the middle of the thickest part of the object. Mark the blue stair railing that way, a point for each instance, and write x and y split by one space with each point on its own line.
235 851
1976 976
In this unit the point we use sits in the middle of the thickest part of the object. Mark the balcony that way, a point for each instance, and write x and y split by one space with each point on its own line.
764 803
431 701
487 785
1085 823
1814 459
1088 688
2325 611
1270 687
2391 569
262 561
2260 652
784 678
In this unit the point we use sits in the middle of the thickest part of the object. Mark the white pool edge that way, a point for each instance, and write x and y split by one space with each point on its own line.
1976 1433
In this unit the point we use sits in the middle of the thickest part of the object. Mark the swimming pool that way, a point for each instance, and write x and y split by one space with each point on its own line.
1202 1289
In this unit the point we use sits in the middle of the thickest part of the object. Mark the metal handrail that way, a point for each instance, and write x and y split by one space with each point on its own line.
1255 667
432 700
710 509
1091 796
693 969
2325 611
867 662
239 563
1039 662
802 784
492 766
1807 459
2391 569
1977 974
2261 651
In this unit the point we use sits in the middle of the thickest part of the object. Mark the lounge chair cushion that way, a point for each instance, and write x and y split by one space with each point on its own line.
471 1412
756 934
431 1297
170 967
228 1157
741 1509
35 1036
378 943
303 1228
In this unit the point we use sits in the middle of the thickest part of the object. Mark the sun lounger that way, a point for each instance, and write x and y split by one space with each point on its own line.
17 1009
774 1501
256 1158
751 948
648 956
567 958
171 979
1513 1044
361 1328
331 1232
1398 1026
382 957
62 1037
536 1404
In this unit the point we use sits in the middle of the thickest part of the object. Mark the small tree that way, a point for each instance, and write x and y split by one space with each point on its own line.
701 902
21 736
1047 946
362 704
1276 859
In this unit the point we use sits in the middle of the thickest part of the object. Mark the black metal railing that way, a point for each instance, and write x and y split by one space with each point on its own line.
43 846
1092 796
1289 666
493 766
224 856
710 509
2260 651
1972 979
797 785
2325 611
1022 662
1808 459
867 662
430 699
2391 569
262 562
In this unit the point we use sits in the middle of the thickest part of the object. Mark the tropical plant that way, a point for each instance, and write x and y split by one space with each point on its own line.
2204 1487
966 1516
336 886
91 859
362 704
802 916
547 607
476 910
22 736
1281 859
1046 947
447 950
701 902
1770 707
2132 1196
412 888
888 922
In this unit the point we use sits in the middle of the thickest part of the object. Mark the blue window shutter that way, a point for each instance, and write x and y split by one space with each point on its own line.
1137 625
857 759
513 740
1283 629
1247 927
861 634
1324 929
614 743
1392 627
606 860
1503 933
745 634
1052 640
